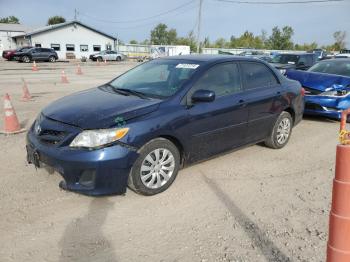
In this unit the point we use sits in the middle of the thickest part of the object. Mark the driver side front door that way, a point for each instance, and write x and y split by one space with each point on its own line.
219 125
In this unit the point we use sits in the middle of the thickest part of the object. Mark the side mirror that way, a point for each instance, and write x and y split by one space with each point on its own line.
203 96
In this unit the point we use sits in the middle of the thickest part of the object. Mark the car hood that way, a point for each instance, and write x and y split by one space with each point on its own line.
96 108
319 81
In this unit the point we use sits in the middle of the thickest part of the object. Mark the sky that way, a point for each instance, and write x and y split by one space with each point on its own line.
311 22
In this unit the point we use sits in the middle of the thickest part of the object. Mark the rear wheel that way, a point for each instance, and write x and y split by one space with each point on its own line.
156 167
119 58
52 59
26 59
281 131
99 59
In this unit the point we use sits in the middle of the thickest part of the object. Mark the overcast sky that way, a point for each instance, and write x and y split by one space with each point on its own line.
311 22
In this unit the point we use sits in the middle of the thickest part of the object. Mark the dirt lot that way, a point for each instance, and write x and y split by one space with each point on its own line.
255 204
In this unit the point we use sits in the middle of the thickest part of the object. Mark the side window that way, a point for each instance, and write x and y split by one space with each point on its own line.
309 60
303 59
223 79
256 75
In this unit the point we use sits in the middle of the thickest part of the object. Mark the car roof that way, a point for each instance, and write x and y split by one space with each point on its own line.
210 58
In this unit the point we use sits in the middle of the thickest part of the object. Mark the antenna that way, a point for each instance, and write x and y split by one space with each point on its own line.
199 24
75 14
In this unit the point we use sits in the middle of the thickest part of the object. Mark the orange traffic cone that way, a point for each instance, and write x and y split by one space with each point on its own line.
338 249
79 72
64 78
11 124
26 95
34 67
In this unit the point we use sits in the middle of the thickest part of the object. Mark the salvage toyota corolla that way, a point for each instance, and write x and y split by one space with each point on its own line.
140 128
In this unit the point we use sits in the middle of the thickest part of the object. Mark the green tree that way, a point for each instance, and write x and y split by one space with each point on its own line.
159 35
55 20
189 40
9 20
206 42
281 39
339 37
134 42
172 37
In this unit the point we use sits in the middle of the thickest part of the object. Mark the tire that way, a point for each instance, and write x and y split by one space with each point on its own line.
119 59
281 131
52 59
155 179
99 59
25 59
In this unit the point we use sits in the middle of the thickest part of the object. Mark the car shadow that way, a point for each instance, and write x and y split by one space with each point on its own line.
258 237
83 239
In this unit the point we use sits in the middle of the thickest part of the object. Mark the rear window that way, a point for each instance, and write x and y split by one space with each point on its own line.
256 75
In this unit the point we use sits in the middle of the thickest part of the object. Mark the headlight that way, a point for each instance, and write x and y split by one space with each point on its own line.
283 71
96 138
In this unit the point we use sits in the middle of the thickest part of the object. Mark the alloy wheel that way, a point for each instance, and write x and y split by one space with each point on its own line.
157 168
283 131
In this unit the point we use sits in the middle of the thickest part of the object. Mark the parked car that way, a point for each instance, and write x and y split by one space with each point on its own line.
140 128
320 54
327 87
293 61
9 54
107 55
345 53
36 54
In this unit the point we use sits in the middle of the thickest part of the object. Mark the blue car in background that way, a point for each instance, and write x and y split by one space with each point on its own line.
327 87
139 129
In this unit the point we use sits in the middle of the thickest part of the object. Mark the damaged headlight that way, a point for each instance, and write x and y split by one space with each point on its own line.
97 138
336 90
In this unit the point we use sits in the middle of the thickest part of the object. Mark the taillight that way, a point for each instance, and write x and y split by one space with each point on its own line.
302 91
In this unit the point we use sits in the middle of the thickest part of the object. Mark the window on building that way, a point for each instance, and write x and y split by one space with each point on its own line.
84 48
257 75
70 47
97 48
37 45
56 47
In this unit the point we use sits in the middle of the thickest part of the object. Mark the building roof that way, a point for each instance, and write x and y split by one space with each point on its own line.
14 27
57 26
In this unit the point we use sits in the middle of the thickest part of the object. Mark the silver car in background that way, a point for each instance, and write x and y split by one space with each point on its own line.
107 55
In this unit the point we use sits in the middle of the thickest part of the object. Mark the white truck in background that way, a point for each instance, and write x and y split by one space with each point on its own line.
158 51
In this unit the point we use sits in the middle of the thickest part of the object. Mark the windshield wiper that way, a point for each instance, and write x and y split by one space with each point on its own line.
130 91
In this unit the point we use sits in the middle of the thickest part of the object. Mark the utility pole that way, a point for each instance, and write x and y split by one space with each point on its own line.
75 14
199 24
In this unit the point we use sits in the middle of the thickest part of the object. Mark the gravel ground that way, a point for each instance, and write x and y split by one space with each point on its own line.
254 204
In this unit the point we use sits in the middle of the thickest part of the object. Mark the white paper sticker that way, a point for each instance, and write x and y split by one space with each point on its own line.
188 66
290 62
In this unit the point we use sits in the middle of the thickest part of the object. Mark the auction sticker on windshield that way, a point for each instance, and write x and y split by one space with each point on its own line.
188 66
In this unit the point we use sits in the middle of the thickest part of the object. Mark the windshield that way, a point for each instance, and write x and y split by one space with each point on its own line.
285 59
336 67
159 78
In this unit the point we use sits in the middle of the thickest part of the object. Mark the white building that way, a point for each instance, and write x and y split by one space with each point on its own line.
7 32
69 37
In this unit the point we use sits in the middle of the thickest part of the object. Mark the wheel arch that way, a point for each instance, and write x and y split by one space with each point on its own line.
291 111
179 146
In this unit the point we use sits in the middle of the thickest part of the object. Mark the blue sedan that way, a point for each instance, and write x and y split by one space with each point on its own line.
139 129
327 87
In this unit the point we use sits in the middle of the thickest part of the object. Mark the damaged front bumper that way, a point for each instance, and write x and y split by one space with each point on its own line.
102 171
326 104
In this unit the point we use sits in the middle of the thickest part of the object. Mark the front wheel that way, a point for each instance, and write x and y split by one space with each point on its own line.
118 59
156 167
281 131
